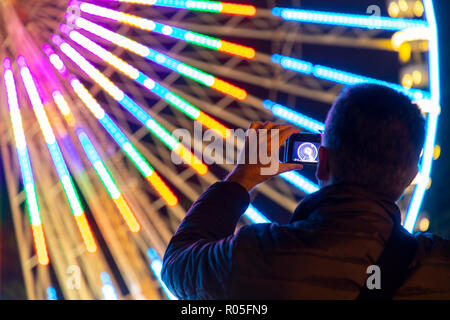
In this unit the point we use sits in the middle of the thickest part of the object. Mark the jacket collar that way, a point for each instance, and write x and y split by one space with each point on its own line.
345 193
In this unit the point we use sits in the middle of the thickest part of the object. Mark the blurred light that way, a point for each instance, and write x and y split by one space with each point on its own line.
407 80
437 152
348 78
293 64
255 216
124 143
156 266
200 5
418 8
403 5
108 291
108 182
152 85
432 119
411 34
25 165
170 31
300 182
51 293
424 224
393 9
417 77
348 20
404 52
161 59
58 160
294 117
132 107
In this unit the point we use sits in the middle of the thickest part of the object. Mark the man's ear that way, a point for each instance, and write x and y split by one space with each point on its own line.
323 169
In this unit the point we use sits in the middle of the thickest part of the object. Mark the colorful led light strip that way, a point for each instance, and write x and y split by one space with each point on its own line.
206 6
255 216
347 20
252 213
108 182
108 290
98 165
25 165
150 84
343 77
432 120
294 117
168 30
124 143
51 293
161 59
58 160
156 266
134 109
300 182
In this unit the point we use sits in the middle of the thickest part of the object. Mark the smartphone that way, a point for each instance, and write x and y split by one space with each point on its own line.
302 148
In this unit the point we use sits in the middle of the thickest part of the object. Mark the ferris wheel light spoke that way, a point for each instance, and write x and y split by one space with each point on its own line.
161 59
156 266
300 182
434 73
255 216
108 290
152 86
124 143
168 30
199 5
108 181
294 116
57 158
51 293
25 165
128 103
343 77
347 20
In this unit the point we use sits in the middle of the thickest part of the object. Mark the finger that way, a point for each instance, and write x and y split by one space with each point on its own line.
286 133
255 125
285 167
268 125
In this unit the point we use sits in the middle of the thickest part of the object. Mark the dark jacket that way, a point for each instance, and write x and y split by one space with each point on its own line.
323 253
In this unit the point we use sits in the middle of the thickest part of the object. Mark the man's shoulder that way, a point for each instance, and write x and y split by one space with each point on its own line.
273 236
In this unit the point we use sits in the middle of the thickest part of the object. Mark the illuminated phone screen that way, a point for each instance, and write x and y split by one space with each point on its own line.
306 152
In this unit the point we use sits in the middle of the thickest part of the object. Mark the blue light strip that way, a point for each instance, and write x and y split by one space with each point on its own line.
293 64
255 216
427 161
343 77
347 20
294 117
300 182
108 291
51 293
156 266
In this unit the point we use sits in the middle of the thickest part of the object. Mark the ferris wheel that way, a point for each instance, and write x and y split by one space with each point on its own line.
93 93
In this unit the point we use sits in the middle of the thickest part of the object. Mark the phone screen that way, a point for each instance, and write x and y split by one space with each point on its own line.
302 148
305 151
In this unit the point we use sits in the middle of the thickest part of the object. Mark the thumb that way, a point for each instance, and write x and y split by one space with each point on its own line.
285 167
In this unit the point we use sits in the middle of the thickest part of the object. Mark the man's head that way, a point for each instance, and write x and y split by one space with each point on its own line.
373 137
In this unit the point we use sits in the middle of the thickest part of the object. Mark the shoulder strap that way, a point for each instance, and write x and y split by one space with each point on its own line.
393 262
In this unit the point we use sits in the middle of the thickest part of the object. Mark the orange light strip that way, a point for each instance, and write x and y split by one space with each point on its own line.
86 233
163 189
